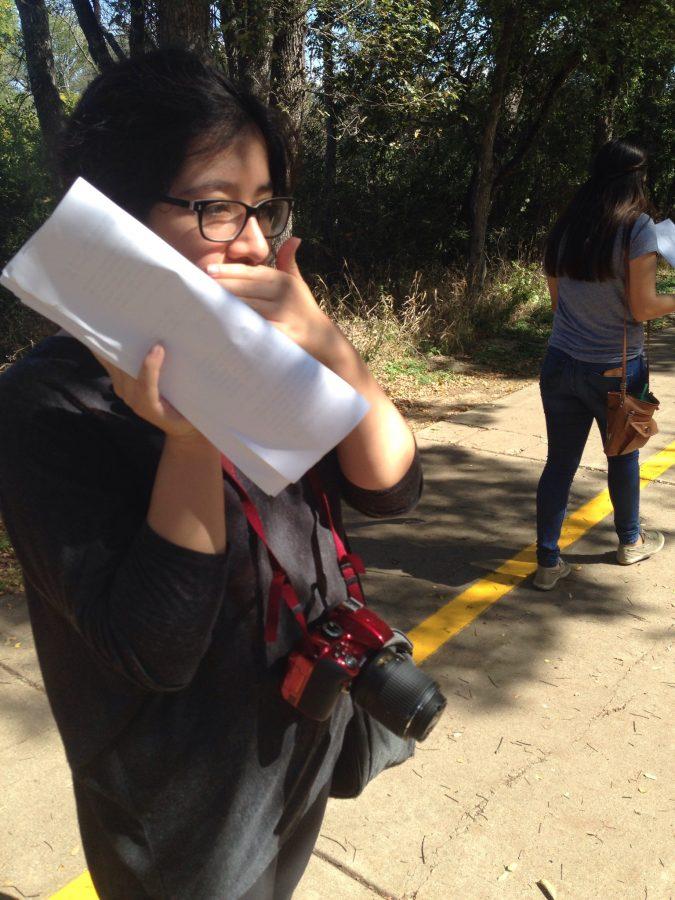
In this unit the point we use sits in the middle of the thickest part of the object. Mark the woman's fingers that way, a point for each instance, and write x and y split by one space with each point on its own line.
141 394
147 382
251 289
239 270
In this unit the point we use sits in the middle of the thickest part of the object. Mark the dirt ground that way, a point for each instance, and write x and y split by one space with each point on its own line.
471 385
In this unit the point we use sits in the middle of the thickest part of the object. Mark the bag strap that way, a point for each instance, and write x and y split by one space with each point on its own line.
281 588
624 364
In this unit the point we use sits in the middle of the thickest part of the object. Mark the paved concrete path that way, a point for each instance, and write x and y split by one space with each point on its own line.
554 759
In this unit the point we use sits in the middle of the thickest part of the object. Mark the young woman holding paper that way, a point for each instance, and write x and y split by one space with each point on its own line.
147 590
606 220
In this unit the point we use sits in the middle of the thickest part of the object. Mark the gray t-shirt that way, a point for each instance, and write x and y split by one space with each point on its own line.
588 323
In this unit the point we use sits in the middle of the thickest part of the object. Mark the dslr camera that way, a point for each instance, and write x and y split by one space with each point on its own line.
352 649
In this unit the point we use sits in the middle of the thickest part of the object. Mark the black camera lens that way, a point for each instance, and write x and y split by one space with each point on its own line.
399 695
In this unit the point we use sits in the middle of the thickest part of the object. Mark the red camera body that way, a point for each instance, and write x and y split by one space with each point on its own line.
330 657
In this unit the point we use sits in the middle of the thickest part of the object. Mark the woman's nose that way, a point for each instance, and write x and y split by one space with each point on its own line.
250 246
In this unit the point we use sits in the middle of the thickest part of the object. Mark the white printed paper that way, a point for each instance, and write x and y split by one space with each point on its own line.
119 288
665 240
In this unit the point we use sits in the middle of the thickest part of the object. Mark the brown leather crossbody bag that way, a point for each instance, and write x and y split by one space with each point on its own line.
630 420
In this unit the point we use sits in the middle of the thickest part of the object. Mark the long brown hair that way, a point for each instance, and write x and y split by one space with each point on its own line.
581 243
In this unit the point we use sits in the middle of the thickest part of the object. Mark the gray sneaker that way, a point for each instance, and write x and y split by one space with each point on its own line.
547 577
649 544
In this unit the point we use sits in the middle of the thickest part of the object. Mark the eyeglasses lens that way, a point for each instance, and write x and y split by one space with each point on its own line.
223 221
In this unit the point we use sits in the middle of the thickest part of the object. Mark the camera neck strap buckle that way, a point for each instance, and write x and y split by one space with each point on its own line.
281 589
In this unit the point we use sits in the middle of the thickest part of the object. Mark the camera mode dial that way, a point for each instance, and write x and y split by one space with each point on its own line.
332 630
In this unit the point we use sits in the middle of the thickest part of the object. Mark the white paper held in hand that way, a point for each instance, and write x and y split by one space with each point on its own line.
115 285
665 240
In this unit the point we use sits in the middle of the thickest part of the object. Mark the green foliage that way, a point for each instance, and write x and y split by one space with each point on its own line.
26 192
411 90
25 200
74 68
665 279
404 87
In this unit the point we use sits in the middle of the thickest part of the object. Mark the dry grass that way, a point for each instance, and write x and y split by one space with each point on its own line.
422 340
409 327
386 332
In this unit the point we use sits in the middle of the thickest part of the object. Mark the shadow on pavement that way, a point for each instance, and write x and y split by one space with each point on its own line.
478 511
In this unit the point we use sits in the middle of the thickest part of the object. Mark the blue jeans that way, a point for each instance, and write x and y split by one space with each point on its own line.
574 393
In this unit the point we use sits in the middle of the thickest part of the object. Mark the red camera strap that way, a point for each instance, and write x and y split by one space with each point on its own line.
281 588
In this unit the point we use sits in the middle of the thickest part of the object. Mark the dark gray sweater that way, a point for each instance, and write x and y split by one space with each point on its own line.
167 699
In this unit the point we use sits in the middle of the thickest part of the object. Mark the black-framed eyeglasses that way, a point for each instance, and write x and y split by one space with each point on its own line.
224 220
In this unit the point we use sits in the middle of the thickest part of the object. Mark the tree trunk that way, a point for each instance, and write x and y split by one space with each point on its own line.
228 28
185 23
608 96
91 28
138 42
287 74
247 32
484 181
40 65
287 70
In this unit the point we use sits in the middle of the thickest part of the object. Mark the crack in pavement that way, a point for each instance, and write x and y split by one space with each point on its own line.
354 874
606 710
24 678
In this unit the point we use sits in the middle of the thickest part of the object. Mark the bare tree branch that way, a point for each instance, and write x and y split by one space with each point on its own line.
91 28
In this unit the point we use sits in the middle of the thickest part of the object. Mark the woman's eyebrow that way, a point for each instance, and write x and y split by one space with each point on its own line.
226 187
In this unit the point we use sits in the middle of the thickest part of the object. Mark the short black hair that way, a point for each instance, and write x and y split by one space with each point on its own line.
134 125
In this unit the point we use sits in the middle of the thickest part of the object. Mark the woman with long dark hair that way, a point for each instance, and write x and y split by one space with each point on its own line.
148 586
605 235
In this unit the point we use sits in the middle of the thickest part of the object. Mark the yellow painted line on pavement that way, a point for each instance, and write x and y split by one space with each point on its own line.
80 889
430 635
